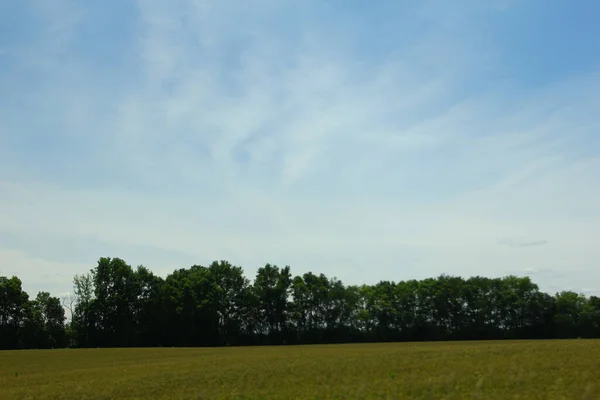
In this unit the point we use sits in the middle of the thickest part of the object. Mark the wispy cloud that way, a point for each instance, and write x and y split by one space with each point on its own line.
405 141
523 243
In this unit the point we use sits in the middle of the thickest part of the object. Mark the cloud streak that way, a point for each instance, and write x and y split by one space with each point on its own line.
523 243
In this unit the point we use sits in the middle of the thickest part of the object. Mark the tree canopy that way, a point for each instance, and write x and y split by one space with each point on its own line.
115 305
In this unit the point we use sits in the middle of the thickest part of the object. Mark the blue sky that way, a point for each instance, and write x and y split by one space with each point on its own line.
390 140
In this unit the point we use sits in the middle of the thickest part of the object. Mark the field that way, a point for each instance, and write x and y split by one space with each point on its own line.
481 370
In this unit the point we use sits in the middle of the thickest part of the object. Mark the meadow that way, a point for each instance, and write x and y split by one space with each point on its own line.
565 369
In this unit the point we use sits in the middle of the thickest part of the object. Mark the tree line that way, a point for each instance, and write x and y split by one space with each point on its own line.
115 305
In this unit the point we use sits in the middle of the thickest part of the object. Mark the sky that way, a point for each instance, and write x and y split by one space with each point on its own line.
369 141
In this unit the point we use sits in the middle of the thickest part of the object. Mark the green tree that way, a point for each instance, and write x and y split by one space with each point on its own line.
570 307
590 318
52 316
147 308
14 303
115 292
191 316
200 306
83 327
272 289
228 294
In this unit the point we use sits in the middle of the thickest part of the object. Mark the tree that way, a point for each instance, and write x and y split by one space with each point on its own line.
272 288
83 327
147 308
68 302
570 307
48 316
14 303
590 318
116 305
115 292
189 317
228 294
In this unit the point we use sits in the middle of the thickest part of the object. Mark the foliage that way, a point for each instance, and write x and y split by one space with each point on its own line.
25 323
115 305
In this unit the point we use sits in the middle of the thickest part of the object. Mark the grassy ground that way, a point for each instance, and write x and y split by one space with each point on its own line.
473 370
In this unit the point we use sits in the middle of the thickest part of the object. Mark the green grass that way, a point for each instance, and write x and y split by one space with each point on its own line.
468 370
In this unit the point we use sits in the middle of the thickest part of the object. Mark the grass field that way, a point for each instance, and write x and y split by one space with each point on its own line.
480 370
